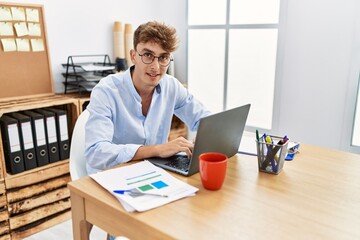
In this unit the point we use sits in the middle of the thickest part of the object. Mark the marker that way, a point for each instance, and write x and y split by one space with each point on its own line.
257 135
269 140
139 193
285 139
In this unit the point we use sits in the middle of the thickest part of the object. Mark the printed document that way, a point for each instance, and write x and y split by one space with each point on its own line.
146 178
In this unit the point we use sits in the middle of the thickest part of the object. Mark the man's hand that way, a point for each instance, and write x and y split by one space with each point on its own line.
177 145
168 149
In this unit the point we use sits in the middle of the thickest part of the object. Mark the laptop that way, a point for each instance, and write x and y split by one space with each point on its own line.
220 132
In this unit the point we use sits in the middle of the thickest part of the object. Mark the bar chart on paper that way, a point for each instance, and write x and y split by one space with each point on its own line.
143 189
143 186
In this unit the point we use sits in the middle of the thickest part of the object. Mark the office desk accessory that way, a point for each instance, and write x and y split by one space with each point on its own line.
271 152
129 38
13 151
293 149
136 193
26 140
62 132
41 146
315 197
83 72
120 64
25 71
119 41
51 134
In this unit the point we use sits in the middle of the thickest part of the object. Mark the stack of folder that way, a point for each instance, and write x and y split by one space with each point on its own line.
34 138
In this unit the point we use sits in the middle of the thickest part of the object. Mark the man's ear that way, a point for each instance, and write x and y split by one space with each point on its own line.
132 55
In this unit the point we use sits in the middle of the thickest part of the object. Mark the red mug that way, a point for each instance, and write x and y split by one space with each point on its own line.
212 168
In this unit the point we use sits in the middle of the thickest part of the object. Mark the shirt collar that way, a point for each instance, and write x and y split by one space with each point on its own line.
157 88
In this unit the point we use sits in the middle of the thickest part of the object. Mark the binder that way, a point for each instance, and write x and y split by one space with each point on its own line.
62 132
39 136
26 140
14 159
51 135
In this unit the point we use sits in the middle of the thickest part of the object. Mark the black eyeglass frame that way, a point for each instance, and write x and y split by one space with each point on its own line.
153 58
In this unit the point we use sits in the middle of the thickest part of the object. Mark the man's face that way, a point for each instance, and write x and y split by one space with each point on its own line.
147 75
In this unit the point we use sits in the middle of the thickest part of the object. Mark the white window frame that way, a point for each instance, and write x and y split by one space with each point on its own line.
279 57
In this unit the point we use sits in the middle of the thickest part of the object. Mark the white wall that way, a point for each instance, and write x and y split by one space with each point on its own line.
319 71
318 65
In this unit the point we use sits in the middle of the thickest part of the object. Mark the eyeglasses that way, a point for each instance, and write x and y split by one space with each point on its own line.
148 58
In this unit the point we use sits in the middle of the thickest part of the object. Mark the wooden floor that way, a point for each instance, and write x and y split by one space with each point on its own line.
64 231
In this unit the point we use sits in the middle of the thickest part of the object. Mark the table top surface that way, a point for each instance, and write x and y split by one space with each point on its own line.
316 196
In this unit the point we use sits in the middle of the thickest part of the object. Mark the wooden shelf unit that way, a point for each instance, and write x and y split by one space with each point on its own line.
36 199
4 214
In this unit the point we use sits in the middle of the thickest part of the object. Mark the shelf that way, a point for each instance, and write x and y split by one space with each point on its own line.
35 199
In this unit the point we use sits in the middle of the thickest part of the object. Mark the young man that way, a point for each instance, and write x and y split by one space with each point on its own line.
131 113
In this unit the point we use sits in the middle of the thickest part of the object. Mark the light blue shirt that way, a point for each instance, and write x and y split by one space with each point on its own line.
116 127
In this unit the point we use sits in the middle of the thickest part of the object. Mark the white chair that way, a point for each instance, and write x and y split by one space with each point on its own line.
77 162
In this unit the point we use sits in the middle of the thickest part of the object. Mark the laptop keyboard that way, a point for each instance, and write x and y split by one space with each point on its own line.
182 163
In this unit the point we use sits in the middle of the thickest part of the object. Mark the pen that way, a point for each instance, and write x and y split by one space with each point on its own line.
257 135
136 193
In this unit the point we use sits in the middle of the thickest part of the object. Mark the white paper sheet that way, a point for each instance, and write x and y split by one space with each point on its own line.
144 177
23 45
32 15
6 29
5 14
34 29
9 44
21 29
18 13
37 45
92 67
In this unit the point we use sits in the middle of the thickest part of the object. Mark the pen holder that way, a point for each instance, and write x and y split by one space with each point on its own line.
271 156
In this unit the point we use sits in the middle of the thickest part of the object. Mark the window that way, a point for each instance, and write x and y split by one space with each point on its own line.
232 46
356 129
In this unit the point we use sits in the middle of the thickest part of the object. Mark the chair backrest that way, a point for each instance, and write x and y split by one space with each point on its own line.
77 158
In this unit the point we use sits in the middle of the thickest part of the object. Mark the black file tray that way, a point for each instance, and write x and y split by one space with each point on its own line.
83 72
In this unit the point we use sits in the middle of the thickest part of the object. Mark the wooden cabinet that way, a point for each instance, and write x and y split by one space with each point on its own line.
4 214
36 199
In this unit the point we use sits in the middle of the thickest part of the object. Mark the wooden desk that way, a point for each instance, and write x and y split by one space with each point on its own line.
316 196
